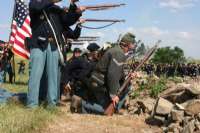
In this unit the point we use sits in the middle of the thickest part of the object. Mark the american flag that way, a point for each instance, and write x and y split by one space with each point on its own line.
20 29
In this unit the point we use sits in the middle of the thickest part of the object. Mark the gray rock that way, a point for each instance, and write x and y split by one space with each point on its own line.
174 127
177 115
186 120
146 104
195 89
197 125
189 128
198 116
192 107
163 107
159 120
180 93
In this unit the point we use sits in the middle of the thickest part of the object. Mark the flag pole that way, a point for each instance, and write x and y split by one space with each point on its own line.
13 59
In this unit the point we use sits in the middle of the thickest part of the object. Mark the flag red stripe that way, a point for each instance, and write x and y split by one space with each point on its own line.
27 21
17 42
25 29
20 53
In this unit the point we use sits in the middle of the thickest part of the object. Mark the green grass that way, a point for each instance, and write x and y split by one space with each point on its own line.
152 87
157 87
15 117
19 119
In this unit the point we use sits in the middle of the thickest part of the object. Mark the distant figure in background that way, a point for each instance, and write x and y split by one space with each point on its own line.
1 73
21 67
7 63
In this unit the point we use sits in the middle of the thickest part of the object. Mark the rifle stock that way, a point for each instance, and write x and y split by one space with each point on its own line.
111 109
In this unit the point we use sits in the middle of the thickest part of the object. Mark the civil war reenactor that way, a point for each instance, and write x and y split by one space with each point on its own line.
7 63
194 70
171 70
48 22
106 79
189 69
149 68
73 72
185 70
78 70
92 56
158 71
179 70
21 67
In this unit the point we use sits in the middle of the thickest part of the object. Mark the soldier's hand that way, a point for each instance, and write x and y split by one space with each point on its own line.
81 21
67 88
81 9
135 75
115 100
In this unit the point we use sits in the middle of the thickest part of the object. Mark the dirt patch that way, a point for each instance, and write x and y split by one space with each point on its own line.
74 123
78 123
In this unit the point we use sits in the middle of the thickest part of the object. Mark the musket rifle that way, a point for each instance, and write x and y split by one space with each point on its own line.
83 40
105 20
100 7
111 108
111 21
95 37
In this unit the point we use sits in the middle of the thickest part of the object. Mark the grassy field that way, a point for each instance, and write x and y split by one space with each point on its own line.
15 117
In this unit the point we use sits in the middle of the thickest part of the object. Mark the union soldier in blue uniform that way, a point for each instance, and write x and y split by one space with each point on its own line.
78 69
48 23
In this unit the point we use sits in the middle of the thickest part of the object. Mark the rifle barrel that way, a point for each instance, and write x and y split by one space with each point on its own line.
147 56
100 7
82 40
104 20
105 6
90 37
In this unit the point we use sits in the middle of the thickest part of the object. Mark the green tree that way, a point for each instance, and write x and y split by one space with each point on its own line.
169 55
141 50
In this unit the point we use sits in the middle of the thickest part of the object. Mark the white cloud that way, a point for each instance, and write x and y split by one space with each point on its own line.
153 31
158 33
188 41
184 35
4 26
99 34
176 5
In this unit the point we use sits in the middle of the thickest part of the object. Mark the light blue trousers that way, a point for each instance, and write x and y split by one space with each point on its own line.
43 61
93 108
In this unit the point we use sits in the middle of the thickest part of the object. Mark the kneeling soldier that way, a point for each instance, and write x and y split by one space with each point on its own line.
106 78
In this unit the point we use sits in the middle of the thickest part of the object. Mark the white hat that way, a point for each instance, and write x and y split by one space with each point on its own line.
106 46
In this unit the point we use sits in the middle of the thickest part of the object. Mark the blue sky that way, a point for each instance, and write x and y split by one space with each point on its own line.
176 22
